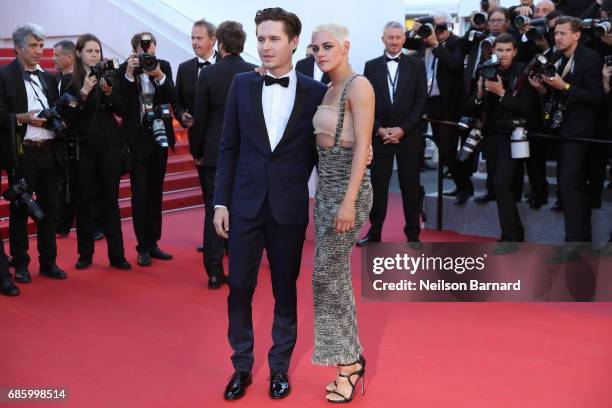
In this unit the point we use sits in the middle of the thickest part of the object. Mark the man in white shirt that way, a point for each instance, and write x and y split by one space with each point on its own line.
30 150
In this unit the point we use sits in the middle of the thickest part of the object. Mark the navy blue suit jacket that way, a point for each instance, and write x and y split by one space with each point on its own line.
248 171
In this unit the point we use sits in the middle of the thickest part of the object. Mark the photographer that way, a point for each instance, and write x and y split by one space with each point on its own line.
574 95
100 140
147 89
441 50
506 105
32 151
7 286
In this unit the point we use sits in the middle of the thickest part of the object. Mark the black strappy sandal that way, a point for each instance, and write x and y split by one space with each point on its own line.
361 376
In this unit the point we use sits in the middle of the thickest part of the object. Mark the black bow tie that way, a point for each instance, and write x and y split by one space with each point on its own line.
388 59
269 80
203 64
33 72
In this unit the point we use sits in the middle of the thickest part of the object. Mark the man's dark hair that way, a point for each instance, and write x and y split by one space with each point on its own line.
575 23
232 36
136 39
210 27
291 23
505 38
502 10
67 46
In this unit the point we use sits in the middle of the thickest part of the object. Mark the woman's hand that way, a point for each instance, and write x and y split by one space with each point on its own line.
345 218
106 88
89 84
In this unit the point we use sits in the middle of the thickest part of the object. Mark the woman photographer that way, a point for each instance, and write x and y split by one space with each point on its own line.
100 142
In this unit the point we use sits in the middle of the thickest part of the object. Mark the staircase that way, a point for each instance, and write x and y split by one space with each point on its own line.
7 55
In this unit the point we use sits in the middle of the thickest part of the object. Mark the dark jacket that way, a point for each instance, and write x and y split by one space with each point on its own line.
408 107
306 67
248 171
139 136
14 100
209 109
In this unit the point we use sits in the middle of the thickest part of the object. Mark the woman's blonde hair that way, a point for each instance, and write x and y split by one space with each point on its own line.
339 32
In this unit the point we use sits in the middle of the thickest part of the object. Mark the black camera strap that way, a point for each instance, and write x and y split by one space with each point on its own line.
32 83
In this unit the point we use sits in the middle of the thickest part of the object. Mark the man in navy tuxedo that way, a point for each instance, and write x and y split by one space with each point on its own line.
266 155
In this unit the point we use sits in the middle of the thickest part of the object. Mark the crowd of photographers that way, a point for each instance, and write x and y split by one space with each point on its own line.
522 85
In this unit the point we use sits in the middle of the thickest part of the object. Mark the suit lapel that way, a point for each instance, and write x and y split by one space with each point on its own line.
256 89
21 96
301 94
402 79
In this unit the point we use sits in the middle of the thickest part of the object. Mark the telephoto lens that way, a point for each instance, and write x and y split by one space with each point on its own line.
473 139
159 133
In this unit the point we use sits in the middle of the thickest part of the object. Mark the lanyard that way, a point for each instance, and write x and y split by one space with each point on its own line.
32 83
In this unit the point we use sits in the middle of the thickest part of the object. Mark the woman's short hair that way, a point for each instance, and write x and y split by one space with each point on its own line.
339 32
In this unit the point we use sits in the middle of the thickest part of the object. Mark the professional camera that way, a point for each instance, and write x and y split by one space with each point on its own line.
520 21
156 115
467 122
476 36
18 194
472 141
519 145
105 69
55 122
599 28
427 26
148 62
554 112
489 69
539 28
480 18
539 67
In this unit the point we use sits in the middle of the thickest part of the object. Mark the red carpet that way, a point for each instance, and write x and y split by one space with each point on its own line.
156 337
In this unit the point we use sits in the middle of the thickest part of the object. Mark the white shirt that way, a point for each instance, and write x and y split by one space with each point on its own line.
35 94
317 74
392 69
212 59
431 68
277 102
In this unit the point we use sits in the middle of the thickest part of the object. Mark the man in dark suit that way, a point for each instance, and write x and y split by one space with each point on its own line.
203 40
578 85
400 85
151 88
32 152
267 153
443 55
213 85
308 66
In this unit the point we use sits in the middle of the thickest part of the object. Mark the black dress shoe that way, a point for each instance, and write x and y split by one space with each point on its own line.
463 195
22 274
143 259
53 272
121 263
236 387
200 248
485 198
8 288
97 236
279 385
557 207
215 282
415 244
505 247
159 254
83 263
367 239
450 193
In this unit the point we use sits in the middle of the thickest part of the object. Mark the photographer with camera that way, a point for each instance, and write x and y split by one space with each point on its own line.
573 97
31 147
148 89
506 108
442 53
99 140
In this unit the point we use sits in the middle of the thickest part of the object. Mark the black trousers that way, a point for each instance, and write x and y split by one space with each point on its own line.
447 139
42 173
506 169
147 182
573 183
99 172
4 270
536 168
596 173
491 159
67 198
408 171
283 245
214 245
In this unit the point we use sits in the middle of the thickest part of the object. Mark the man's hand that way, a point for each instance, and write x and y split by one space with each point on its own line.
198 162
30 118
536 83
157 73
187 119
221 222
106 88
542 44
495 87
523 11
396 133
415 26
132 63
556 82
607 39
432 40
606 73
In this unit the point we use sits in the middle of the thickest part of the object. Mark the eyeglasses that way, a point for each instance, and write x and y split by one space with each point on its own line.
497 21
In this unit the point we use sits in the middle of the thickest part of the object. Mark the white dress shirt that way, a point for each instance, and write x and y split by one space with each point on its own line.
211 60
277 102
36 100
392 69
